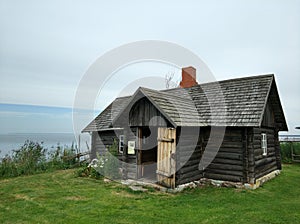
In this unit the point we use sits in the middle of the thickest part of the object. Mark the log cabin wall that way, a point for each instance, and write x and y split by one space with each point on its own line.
229 162
102 140
130 165
188 156
251 161
265 164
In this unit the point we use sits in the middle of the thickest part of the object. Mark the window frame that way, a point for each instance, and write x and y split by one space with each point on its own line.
121 144
264 144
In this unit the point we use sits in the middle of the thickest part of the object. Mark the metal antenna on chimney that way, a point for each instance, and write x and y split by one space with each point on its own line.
169 80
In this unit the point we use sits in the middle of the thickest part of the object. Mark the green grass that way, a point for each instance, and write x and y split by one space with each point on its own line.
60 197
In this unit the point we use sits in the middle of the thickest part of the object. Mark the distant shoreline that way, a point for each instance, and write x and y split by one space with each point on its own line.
32 133
13 141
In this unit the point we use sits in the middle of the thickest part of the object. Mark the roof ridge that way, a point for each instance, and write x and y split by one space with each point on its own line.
168 94
237 79
247 77
120 97
140 90
224 80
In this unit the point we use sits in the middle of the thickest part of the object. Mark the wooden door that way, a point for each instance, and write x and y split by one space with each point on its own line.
166 159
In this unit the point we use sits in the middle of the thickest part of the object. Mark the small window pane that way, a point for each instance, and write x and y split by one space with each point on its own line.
264 144
121 143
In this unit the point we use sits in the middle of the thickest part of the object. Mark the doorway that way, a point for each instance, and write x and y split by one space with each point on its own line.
147 153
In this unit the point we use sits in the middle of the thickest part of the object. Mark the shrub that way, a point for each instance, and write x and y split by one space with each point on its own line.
286 150
31 158
111 163
106 165
63 158
8 167
88 171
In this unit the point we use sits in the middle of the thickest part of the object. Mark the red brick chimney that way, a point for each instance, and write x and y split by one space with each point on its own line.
188 77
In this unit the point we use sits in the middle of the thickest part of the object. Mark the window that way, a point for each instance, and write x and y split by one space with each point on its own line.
264 143
121 143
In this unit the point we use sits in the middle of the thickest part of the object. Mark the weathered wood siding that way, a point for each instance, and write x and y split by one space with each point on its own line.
265 164
166 159
101 141
130 165
250 178
230 162
143 113
239 159
269 117
188 156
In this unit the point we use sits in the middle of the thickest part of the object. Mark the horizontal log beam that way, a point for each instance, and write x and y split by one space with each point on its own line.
225 167
226 172
223 177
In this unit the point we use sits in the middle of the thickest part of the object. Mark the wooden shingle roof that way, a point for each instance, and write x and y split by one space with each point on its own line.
104 119
236 102
177 106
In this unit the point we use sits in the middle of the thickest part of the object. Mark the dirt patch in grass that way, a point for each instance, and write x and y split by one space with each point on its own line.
75 198
23 197
124 194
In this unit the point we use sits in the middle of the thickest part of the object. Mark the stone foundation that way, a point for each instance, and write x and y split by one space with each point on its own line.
204 182
220 183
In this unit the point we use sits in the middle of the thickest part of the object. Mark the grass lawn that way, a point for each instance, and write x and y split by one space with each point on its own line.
60 197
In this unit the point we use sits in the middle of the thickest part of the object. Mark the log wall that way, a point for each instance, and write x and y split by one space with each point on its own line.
251 161
101 141
130 165
239 159
230 163
188 155
265 164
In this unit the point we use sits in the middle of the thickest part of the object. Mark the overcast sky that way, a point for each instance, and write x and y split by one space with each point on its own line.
47 46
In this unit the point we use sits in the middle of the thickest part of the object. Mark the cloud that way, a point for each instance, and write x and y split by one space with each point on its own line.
46 47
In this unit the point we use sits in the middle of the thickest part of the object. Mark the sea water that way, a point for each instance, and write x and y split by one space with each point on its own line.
50 141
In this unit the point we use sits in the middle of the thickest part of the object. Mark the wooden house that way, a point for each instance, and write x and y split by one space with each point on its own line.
233 123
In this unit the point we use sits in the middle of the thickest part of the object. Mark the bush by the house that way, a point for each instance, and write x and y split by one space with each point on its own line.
106 165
